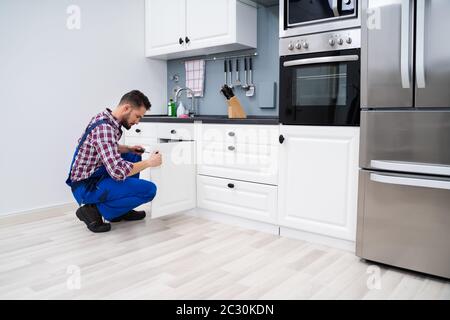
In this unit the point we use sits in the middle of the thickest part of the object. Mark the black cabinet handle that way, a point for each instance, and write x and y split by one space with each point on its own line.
187 40
231 185
181 41
231 134
231 148
138 130
281 139
173 131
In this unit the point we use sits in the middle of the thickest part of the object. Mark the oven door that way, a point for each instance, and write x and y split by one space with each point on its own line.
320 89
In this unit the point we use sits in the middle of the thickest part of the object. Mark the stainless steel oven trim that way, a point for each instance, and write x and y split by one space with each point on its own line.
320 42
300 62
324 25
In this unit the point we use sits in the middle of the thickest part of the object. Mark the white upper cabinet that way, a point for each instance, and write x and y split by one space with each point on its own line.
183 28
165 23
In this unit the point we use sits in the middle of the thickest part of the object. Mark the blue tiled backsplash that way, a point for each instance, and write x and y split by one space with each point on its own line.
265 74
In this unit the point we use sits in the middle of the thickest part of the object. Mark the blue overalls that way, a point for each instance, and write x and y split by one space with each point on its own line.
113 198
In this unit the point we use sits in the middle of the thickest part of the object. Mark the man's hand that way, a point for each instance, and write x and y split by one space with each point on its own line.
155 159
136 149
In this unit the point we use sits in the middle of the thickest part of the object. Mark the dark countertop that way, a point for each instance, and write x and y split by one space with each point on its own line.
213 119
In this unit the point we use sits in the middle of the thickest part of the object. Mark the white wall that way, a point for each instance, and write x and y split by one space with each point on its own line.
53 80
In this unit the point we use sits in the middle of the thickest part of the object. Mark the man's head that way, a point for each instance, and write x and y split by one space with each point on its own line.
131 108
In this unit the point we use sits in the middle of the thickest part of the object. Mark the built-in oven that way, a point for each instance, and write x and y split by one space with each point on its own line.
299 17
320 85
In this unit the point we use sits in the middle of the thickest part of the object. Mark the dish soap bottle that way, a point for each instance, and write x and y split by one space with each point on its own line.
171 108
180 110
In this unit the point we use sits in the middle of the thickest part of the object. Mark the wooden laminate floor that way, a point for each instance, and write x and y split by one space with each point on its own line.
53 256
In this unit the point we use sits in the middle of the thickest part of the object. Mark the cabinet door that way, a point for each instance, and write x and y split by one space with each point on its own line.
319 179
165 25
175 178
210 23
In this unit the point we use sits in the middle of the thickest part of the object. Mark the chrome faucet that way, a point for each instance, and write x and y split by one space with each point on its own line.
192 111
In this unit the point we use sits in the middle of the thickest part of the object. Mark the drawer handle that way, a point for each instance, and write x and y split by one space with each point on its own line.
231 185
173 131
138 130
281 138
231 134
231 148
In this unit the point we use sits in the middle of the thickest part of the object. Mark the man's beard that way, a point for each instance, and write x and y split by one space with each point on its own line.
125 122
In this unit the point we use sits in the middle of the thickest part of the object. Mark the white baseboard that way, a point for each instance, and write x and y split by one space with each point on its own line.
319 239
274 229
49 209
233 220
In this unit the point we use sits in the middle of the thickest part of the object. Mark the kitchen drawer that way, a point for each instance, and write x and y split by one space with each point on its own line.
178 131
142 130
246 134
248 162
244 199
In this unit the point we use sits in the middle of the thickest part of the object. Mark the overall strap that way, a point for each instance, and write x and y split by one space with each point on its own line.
85 135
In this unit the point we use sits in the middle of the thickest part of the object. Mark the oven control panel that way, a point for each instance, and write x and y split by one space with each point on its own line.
321 42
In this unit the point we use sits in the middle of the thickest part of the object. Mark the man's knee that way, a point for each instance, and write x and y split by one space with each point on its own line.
148 190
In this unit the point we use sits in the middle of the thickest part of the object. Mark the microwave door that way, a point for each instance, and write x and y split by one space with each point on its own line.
301 12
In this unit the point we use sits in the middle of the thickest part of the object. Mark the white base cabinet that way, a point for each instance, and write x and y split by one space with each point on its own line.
182 28
307 185
175 178
318 180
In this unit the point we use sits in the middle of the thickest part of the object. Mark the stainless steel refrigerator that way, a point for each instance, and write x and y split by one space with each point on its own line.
404 182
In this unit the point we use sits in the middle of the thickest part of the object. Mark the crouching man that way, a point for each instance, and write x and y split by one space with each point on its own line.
104 176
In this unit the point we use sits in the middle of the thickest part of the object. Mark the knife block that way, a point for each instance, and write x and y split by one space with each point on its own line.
235 109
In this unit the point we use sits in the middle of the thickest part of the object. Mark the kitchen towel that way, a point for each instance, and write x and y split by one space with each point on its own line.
195 76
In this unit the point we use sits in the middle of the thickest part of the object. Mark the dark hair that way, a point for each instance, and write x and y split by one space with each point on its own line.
136 98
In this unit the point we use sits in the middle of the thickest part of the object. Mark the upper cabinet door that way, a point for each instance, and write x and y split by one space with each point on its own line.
210 22
433 52
386 55
165 26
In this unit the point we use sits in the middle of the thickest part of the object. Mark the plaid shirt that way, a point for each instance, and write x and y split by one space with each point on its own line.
101 147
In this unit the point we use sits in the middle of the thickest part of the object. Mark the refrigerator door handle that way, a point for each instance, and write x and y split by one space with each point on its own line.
413 182
411 167
420 53
404 51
